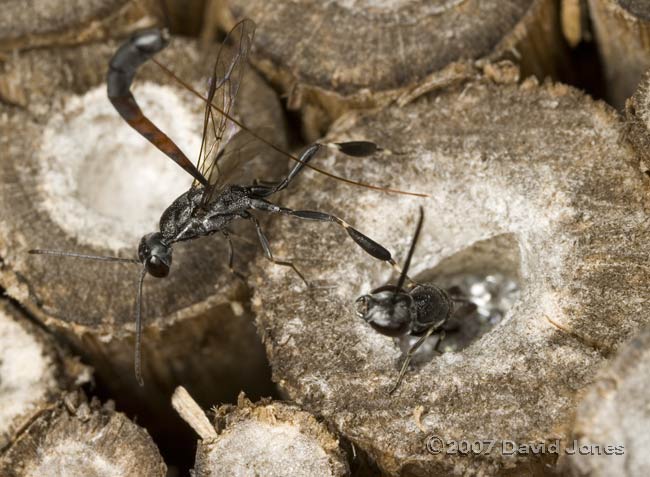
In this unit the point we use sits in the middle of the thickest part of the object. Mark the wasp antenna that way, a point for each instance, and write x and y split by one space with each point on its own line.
276 148
100 258
138 329
407 263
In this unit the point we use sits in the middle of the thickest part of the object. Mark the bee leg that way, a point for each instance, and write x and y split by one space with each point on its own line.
409 356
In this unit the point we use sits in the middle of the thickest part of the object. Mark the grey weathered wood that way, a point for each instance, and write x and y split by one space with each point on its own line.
78 439
197 327
622 31
612 421
35 23
332 56
269 438
541 177
637 114
34 372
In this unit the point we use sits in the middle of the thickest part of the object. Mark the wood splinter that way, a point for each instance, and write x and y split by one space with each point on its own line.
192 413
267 438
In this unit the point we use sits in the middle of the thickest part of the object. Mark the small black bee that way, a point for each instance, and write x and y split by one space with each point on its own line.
419 310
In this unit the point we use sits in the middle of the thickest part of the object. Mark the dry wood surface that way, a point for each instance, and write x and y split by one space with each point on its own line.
523 124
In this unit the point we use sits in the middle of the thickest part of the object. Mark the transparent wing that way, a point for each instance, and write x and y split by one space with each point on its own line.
225 80
230 64
243 160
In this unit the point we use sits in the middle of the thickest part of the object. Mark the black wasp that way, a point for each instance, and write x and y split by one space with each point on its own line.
420 310
215 199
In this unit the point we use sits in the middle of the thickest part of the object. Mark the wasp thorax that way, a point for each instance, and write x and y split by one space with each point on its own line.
155 254
387 312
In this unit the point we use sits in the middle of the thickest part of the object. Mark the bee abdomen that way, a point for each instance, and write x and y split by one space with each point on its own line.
433 306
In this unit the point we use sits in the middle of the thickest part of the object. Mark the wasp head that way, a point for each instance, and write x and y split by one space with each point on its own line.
155 254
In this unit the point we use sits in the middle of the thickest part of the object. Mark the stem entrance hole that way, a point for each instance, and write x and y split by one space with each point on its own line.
487 274
102 182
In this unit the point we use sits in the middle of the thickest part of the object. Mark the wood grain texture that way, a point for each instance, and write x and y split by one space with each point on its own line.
637 115
34 372
77 439
198 329
37 23
330 56
544 165
269 438
612 417
622 31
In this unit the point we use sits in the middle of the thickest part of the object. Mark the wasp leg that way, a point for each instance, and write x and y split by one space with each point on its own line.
352 148
263 184
265 190
267 250
366 243
231 258
441 336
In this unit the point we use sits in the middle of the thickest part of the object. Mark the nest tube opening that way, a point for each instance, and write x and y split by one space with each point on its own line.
103 183
486 276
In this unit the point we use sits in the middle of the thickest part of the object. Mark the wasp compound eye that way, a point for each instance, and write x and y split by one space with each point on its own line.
143 250
157 267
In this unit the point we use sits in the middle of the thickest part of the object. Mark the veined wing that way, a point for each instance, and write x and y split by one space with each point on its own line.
243 160
225 80
242 34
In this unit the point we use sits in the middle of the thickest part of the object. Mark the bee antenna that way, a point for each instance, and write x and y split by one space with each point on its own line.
100 258
403 276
